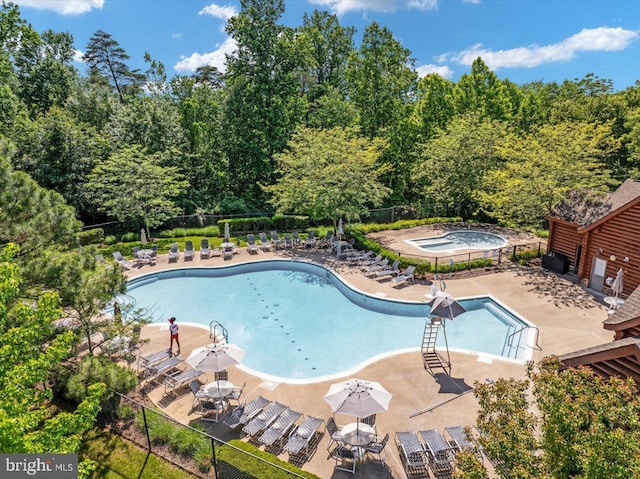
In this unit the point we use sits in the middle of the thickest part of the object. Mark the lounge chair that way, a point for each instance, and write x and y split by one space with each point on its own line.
440 451
205 251
326 241
227 252
163 368
264 419
152 359
288 240
310 242
296 239
379 266
394 270
364 264
276 240
189 252
174 253
245 412
280 428
265 244
412 453
377 448
461 441
404 277
301 437
252 247
124 263
345 458
177 379
358 257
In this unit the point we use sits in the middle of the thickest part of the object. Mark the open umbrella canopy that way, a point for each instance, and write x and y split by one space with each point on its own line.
444 305
618 284
359 398
215 357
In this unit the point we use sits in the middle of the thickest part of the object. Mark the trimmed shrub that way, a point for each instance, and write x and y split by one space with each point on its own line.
110 239
92 236
130 237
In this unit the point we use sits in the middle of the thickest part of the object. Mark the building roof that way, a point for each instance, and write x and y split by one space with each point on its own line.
629 312
587 207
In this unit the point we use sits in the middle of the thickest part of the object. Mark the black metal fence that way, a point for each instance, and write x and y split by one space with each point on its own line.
189 448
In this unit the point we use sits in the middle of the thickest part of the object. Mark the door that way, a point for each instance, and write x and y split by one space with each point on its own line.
598 268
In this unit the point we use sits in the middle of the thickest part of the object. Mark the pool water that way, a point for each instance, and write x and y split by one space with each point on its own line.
457 240
297 320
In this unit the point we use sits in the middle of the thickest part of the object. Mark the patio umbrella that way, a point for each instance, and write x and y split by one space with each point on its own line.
618 283
226 232
444 305
215 357
143 236
359 398
340 232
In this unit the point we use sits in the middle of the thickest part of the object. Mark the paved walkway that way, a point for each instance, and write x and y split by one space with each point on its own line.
568 319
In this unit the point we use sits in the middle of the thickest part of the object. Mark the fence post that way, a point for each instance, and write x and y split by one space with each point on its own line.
146 427
539 247
469 263
515 250
436 270
213 457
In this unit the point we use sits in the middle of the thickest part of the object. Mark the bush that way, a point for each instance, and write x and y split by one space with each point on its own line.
111 239
92 236
129 237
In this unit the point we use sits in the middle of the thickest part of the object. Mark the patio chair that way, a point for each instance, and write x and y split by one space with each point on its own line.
345 458
276 240
189 252
180 378
201 403
124 263
379 266
288 240
264 419
221 375
245 412
377 448
412 453
100 259
369 420
394 270
404 277
205 251
265 244
280 428
174 253
440 451
252 247
301 437
310 242
326 241
333 430
296 239
236 394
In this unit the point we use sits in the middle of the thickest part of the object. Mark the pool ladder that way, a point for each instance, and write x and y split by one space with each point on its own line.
432 359
218 332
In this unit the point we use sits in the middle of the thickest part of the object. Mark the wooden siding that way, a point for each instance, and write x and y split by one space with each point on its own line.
564 238
620 236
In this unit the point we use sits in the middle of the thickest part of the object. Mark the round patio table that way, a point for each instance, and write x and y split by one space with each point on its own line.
218 389
357 434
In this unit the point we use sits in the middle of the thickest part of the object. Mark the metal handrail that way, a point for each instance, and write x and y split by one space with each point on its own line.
213 327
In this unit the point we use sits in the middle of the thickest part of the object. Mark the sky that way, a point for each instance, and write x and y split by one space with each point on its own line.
520 40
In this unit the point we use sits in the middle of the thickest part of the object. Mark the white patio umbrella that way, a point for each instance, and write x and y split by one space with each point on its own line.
618 284
444 305
143 236
340 232
215 357
357 397
226 232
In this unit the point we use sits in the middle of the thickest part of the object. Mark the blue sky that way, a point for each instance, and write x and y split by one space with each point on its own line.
522 40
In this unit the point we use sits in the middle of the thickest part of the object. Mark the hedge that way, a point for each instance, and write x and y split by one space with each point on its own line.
92 236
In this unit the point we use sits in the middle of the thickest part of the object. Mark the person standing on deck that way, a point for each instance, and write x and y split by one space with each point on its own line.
173 331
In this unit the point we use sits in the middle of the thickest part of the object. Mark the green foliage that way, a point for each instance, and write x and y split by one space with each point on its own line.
254 467
92 236
129 237
183 232
110 239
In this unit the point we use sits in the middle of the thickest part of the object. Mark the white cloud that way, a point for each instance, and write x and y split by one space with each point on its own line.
442 70
65 7
475 2
587 40
343 6
176 35
224 12
78 56
216 58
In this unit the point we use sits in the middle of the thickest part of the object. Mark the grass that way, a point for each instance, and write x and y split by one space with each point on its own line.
117 458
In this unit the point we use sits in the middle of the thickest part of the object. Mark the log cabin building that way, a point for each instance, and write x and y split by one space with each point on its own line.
599 233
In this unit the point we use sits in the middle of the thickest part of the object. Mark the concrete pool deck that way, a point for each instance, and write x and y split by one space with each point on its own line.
568 319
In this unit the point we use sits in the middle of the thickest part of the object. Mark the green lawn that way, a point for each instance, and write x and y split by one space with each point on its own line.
121 459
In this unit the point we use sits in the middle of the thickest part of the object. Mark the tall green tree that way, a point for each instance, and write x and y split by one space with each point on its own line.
540 169
107 60
381 80
131 185
264 105
434 107
329 174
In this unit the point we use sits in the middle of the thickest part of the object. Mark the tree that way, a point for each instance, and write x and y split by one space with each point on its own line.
106 59
29 421
131 185
541 168
434 107
381 80
328 174
454 162
587 427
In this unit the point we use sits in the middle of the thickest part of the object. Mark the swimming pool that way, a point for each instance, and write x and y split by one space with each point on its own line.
299 322
458 240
